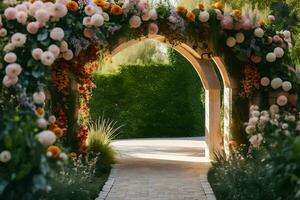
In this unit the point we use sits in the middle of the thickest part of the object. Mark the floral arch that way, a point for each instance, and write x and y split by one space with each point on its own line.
47 62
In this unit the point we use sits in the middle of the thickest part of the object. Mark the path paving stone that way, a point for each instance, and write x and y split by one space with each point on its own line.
159 169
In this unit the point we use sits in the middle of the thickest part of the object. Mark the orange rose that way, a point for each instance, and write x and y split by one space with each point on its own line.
58 132
191 16
218 5
181 10
116 10
201 6
39 111
72 6
54 150
103 4
237 13
262 23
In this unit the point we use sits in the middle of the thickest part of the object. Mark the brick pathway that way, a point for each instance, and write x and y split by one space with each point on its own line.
158 169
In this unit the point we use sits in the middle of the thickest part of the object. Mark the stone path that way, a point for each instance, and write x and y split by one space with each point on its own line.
159 169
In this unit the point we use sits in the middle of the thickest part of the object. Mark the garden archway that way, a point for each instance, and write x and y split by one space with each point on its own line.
208 76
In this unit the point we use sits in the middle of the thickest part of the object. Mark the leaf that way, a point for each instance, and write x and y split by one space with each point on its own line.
46 43
43 35
31 62
39 183
3 184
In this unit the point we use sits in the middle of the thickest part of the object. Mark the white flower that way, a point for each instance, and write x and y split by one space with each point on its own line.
64 2
276 83
265 113
153 14
52 119
255 113
231 42
253 121
87 21
18 39
240 37
264 119
9 47
63 156
46 137
68 55
89 10
13 70
146 16
203 16
279 52
5 156
284 126
172 19
256 140
286 86
35 6
135 21
8 81
59 10
22 17
250 129
298 127
271 18
64 46
97 20
3 32
265 81
39 97
290 118
42 16
254 107
259 32
54 49
37 53
57 34
271 57
274 109
47 58
49 154
105 16
10 58
287 34
42 123
282 100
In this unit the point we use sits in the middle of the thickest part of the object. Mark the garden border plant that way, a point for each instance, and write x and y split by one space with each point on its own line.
47 69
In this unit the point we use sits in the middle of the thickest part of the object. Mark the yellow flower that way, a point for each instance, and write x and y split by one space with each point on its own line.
58 132
218 5
237 13
73 155
191 16
54 150
39 112
181 10
72 6
116 10
201 6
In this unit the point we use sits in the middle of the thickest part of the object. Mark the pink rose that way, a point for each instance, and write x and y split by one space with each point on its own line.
153 29
33 27
227 22
247 24
10 13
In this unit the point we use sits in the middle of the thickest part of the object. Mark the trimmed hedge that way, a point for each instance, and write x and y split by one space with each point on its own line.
152 100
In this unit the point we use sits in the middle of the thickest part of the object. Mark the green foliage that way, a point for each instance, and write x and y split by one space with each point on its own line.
152 101
101 133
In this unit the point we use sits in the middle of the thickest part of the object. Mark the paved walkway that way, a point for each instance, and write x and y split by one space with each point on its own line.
159 169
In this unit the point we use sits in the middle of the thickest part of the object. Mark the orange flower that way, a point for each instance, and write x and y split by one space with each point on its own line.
181 10
103 4
191 16
54 150
39 111
201 6
237 13
218 5
58 132
72 6
262 23
116 10
52 127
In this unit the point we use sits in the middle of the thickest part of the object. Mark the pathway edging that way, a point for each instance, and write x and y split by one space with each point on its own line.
108 184
209 193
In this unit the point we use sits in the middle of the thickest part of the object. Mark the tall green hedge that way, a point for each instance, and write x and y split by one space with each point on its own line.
152 100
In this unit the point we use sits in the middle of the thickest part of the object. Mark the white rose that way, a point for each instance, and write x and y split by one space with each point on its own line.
60 10
63 156
279 52
231 42
9 81
265 81
105 16
18 39
42 16
287 34
37 53
39 97
54 49
3 32
46 137
240 37
282 100
57 34
253 121
97 20
271 57
89 10
22 17
64 46
203 16
52 119
250 129
153 14
13 70
259 32
146 16
286 86
47 58
135 21
276 83
10 58
5 156
42 123
256 140
9 47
